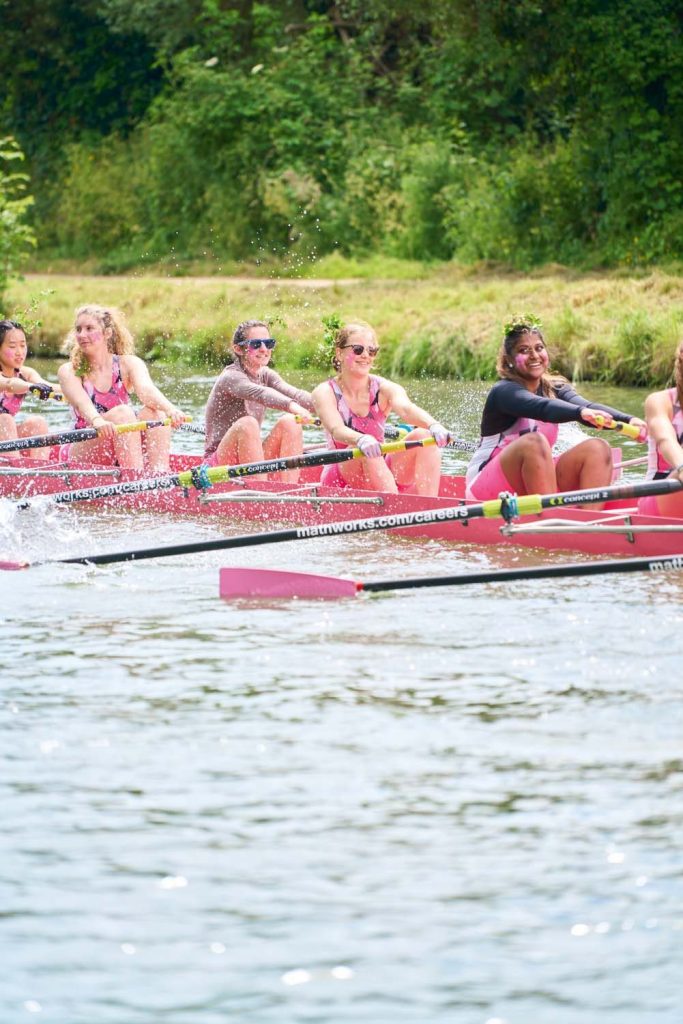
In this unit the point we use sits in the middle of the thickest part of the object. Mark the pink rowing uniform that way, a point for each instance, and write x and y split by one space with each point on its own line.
657 466
373 424
105 400
11 404
484 475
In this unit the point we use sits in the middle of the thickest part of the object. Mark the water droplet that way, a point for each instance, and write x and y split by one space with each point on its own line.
296 977
173 882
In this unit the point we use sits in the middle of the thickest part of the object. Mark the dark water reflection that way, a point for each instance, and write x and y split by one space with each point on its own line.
432 806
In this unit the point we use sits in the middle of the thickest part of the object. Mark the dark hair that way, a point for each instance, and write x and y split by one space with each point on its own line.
9 325
506 369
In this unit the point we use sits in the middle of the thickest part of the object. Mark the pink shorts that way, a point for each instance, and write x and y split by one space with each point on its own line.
210 460
649 506
492 481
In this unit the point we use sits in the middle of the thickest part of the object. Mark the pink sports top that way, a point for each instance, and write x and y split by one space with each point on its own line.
657 466
10 404
373 423
105 400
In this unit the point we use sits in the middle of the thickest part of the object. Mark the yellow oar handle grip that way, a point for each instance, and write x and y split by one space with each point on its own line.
398 446
628 429
126 428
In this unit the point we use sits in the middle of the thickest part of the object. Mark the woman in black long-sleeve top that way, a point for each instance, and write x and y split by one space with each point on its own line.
520 425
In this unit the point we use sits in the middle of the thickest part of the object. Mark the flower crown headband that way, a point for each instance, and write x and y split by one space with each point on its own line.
332 325
522 322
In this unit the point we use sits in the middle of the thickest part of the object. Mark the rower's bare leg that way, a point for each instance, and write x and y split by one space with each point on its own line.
418 469
369 475
124 450
285 439
8 427
31 427
240 444
587 465
156 443
528 465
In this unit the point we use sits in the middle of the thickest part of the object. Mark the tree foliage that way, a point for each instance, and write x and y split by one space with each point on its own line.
515 130
16 236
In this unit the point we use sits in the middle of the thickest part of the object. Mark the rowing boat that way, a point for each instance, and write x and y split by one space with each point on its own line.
618 530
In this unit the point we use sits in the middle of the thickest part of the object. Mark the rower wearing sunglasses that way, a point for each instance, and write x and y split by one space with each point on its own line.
353 407
239 398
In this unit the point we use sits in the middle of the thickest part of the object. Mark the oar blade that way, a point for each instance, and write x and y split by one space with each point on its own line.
267 583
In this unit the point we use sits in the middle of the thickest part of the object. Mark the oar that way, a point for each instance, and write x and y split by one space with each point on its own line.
627 429
505 506
39 392
267 583
398 432
66 436
202 477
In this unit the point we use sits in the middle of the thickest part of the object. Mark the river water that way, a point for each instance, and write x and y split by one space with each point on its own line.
435 807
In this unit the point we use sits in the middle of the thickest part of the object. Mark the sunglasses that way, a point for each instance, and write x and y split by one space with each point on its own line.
358 350
255 343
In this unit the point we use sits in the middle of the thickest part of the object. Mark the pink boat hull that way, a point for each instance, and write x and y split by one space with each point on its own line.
308 503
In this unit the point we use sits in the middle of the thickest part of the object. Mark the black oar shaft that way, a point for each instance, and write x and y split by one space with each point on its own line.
671 563
67 436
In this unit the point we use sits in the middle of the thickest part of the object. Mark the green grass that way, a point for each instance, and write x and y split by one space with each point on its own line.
441 321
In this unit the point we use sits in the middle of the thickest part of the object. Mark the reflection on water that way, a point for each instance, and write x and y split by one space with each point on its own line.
448 805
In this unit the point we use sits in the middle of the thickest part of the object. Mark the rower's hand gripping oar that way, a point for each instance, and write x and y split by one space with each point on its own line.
506 507
599 422
67 436
269 583
44 392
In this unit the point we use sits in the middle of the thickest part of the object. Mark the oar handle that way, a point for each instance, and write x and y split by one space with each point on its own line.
627 429
66 436
39 391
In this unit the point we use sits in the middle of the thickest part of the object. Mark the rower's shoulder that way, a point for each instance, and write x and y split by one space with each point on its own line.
503 387
659 401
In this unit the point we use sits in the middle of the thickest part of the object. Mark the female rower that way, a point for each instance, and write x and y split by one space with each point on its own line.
238 401
664 414
98 380
16 381
354 406
520 425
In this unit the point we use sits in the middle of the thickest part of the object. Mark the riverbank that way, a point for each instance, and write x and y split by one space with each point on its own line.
609 327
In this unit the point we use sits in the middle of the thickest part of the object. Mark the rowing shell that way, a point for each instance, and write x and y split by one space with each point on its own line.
618 530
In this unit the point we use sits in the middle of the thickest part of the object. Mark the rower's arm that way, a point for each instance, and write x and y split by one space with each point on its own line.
76 395
13 385
659 414
146 390
326 408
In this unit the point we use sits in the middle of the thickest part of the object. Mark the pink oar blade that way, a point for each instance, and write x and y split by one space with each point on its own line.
9 566
236 583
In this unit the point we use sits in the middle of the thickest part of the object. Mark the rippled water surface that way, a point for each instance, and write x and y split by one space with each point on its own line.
426 806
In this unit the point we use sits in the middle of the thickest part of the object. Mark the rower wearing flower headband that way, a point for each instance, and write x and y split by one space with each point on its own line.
519 425
238 401
353 407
